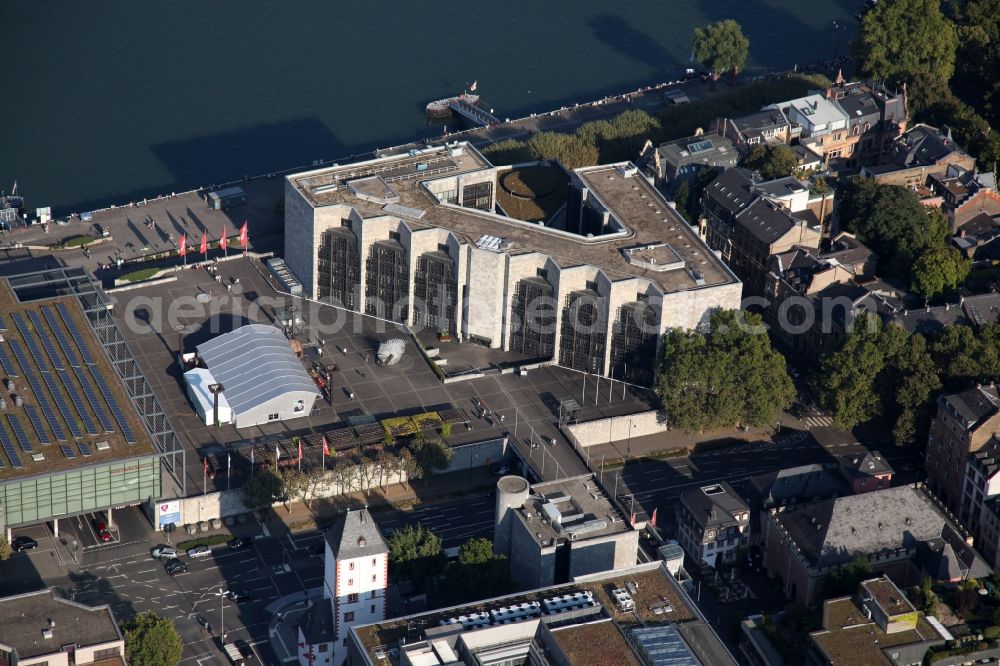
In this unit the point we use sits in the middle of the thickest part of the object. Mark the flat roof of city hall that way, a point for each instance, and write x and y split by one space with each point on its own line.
394 185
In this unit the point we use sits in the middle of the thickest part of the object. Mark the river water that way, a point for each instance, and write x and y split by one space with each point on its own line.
108 101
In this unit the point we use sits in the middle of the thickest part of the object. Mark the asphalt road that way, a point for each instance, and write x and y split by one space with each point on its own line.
122 573
455 522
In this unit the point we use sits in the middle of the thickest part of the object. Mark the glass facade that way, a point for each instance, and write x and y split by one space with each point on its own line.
435 284
533 319
339 267
39 498
388 283
633 343
581 346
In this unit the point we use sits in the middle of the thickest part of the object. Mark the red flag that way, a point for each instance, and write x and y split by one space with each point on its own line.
244 235
205 461
652 519
222 240
204 243
183 246
326 446
300 450
632 520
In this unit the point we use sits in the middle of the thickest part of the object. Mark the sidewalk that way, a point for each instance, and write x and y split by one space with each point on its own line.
438 488
279 521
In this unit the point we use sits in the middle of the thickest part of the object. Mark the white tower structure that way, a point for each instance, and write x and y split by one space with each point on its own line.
356 575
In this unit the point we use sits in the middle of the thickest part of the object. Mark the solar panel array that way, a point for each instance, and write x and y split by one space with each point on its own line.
39 390
31 341
50 348
36 423
3 324
64 342
43 335
8 447
94 400
116 410
20 433
5 361
63 406
75 333
77 401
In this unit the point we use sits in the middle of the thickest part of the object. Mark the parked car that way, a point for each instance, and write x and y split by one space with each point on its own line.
165 553
23 543
240 597
200 551
102 531
176 567
240 543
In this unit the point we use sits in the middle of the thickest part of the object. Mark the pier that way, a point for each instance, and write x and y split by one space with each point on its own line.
472 113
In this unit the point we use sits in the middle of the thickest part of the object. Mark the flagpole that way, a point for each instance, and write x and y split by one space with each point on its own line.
229 467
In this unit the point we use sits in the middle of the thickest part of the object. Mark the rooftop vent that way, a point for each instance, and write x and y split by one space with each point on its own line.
46 633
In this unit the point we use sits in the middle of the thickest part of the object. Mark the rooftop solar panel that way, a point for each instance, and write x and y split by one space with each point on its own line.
8 447
20 433
36 423
67 348
84 449
95 402
3 324
75 333
67 451
64 409
77 401
30 340
116 410
46 339
8 366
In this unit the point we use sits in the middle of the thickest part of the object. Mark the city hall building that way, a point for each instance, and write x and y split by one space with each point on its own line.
586 268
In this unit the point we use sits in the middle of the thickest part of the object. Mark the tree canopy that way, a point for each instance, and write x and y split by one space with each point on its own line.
478 573
938 270
432 455
771 161
415 553
728 376
891 221
151 640
899 40
721 47
263 489
881 370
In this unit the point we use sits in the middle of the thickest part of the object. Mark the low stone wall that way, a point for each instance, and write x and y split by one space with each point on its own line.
218 506
614 429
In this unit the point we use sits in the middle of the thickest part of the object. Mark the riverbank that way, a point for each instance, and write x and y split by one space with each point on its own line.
678 120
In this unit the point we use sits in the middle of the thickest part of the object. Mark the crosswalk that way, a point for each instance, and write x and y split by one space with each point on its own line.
818 421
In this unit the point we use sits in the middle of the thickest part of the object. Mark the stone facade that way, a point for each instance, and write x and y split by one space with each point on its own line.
479 275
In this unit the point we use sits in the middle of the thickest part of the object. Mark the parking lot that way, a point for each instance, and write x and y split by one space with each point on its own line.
155 329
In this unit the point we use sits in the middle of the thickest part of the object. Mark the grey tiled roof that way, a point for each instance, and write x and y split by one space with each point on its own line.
255 364
355 534
713 510
974 404
922 145
798 483
23 617
831 532
866 463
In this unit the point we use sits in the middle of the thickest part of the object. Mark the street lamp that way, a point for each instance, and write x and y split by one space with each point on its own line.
215 390
222 612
